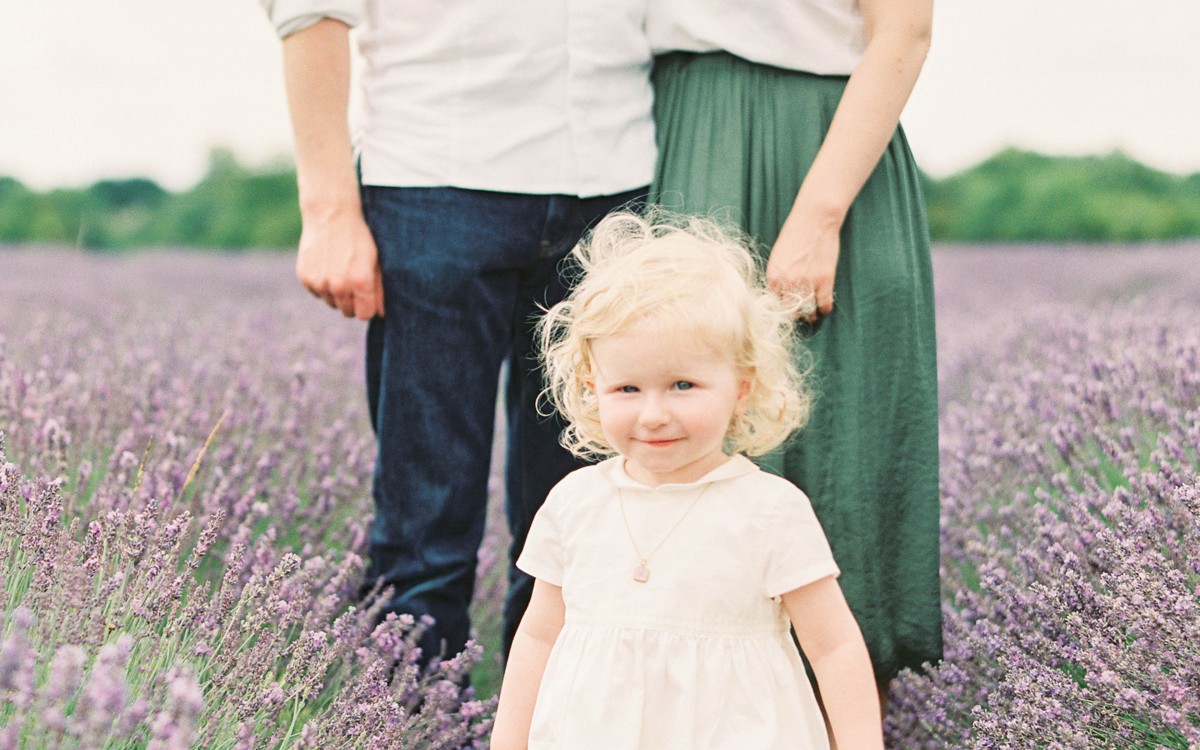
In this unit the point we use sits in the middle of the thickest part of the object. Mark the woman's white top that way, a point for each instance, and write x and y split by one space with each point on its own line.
519 96
699 655
817 36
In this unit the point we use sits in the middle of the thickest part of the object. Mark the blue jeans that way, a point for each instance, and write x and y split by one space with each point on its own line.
464 272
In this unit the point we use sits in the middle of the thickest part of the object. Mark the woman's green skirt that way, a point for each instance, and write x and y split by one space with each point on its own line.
735 141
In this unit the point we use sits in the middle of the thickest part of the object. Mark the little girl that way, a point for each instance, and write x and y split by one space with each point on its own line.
667 575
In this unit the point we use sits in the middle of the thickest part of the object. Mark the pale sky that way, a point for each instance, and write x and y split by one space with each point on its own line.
92 90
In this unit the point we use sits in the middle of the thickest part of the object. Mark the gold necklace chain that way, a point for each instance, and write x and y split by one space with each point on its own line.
641 571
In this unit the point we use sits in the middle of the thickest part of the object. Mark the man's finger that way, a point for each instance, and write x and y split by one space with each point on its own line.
320 290
364 305
378 292
344 301
324 294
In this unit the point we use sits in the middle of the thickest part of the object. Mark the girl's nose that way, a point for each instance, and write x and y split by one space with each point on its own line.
653 413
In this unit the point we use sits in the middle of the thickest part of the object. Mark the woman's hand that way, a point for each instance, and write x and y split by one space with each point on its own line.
803 263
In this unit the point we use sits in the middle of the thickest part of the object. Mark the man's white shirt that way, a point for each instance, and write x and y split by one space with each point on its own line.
520 96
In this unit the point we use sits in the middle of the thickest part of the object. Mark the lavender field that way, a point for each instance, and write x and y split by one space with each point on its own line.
184 504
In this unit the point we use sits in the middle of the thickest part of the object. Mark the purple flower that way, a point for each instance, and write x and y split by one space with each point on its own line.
175 726
18 659
105 695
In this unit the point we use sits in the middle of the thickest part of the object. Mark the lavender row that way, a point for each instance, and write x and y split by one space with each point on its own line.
1071 509
184 507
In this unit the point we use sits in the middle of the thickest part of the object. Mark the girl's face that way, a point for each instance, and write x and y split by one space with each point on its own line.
666 402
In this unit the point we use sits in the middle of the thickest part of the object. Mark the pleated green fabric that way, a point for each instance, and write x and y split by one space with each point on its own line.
735 141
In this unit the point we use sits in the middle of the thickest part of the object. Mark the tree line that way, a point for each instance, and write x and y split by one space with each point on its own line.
232 207
1015 196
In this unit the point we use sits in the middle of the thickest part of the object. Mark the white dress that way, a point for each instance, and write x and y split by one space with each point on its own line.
698 657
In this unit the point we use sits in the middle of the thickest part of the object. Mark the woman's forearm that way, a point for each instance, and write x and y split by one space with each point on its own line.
866 117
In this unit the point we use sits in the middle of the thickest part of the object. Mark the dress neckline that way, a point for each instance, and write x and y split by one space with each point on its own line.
614 470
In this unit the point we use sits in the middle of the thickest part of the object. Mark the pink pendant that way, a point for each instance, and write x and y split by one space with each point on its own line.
641 573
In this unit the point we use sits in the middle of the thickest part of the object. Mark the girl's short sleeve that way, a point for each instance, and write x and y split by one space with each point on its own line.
542 557
797 551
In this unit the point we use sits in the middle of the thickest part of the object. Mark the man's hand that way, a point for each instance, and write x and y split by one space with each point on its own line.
339 263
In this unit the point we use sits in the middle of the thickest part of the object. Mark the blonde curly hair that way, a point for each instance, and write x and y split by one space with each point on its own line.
688 276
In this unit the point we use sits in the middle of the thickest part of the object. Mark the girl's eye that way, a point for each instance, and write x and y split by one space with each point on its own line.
627 389
683 385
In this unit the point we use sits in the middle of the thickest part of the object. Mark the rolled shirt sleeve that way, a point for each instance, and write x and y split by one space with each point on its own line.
290 16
